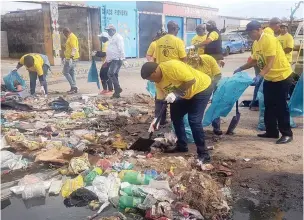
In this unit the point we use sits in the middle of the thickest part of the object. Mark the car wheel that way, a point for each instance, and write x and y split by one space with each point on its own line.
227 51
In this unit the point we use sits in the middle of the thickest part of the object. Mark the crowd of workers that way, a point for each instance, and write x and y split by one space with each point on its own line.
188 88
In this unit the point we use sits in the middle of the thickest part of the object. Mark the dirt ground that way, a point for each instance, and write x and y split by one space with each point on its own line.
268 186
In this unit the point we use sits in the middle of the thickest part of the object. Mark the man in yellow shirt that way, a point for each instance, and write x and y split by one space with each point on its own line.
37 65
276 70
71 56
187 91
200 37
286 41
152 46
274 26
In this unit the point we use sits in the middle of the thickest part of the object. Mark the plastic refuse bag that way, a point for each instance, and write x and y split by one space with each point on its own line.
114 185
79 164
296 99
228 91
59 105
13 78
55 187
79 198
12 161
93 74
151 88
100 186
31 186
71 185
260 97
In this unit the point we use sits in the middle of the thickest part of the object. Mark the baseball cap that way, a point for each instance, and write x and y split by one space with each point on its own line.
283 25
104 34
211 23
110 27
253 25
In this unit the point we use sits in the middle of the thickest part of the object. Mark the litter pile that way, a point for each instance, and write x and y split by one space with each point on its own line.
85 140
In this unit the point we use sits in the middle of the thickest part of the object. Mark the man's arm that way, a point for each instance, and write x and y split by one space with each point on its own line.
248 65
100 54
287 50
121 47
269 64
212 37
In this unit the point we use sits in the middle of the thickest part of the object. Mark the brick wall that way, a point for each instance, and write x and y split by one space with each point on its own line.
24 32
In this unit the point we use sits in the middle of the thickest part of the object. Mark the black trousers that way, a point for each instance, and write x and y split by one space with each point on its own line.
105 81
276 109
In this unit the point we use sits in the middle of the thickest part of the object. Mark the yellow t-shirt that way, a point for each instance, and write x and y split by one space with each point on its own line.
169 47
176 72
197 40
151 48
287 41
104 49
267 46
213 36
268 30
209 66
38 63
72 42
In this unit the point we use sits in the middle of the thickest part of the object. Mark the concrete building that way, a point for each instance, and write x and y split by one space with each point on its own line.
231 23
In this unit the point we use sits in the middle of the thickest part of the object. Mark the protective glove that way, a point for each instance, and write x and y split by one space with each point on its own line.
94 53
256 80
125 63
190 47
42 90
237 70
153 126
171 97
14 70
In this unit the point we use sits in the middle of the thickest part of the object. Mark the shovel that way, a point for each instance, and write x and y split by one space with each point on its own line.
235 120
144 144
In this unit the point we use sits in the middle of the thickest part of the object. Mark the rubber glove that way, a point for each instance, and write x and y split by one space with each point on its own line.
171 97
14 70
237 70
125 63
153 126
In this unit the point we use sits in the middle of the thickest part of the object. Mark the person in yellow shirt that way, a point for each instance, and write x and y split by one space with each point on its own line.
152 46
274 26
286 41
200 37
269 56
187 90
170 47
71 56
38 66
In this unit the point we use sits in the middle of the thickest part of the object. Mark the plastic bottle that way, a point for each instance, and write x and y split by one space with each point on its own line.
91 176
137 178
133 190
129 202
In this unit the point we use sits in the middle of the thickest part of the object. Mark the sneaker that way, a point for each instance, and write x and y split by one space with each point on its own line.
115 96
73 90
120 90
108 92
204 158
284 140
103 92
217 132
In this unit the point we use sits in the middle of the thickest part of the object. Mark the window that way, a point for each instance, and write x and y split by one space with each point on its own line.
191 24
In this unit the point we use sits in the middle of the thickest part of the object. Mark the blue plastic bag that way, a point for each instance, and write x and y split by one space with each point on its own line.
260 97
296 100
11 78
228 91
93 74
151 88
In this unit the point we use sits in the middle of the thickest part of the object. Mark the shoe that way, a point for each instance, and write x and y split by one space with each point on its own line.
120 90
115 96
108 92
103 92
176 149
204 158
73 90
284 140
265 135
217 132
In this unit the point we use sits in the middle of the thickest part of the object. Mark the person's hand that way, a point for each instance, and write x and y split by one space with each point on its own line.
256 80
94 53
171 97
153 126
190 47
125 63
237 70
262 74
14 70
42 90
221 63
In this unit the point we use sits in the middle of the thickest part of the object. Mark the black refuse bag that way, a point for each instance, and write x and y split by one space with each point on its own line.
60 105
79 198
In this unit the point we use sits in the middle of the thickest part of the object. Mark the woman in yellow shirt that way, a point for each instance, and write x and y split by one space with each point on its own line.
152 46
188 91
37 65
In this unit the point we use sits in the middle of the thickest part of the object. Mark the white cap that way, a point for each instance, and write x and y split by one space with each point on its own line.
104 34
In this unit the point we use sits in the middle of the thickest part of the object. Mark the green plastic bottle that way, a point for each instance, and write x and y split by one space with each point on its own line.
134 190
129 202
136 178
91 176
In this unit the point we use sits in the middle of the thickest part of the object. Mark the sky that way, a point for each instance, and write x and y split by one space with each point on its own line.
238 8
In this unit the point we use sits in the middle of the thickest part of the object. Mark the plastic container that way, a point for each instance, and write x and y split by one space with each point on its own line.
129 202
137 178
34 191
91 176
133 190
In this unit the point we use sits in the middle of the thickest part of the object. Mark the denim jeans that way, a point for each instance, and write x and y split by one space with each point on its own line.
195 108
69 72
105 81
42 79
113 71
216 123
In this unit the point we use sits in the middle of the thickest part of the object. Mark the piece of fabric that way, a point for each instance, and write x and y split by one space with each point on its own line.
209 66
287 41
69 72
169 47
296 100
229 90
72 46
197 40
11 79
93 74
195 108
151 48
268 46
116 48
113 71
175 73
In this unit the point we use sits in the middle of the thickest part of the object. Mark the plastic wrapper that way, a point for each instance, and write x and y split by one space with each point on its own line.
71 185
100 188
35 190
55 187
79 164
114 185
12 161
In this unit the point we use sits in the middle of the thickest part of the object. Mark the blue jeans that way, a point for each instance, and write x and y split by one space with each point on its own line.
113 71
195 108
69 72
216 123
42 79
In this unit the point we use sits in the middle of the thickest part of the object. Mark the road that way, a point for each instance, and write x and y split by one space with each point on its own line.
275 171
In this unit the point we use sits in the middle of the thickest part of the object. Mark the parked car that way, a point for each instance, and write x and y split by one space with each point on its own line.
233 43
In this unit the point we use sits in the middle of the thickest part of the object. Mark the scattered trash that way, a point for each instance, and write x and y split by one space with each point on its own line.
79 164
55 187
79 198
12 161
70 185
247 159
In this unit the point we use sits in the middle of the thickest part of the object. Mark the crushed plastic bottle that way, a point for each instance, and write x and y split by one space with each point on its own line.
91 176
137 178
129 202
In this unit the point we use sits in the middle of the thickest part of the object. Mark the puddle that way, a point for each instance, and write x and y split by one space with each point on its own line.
251 209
